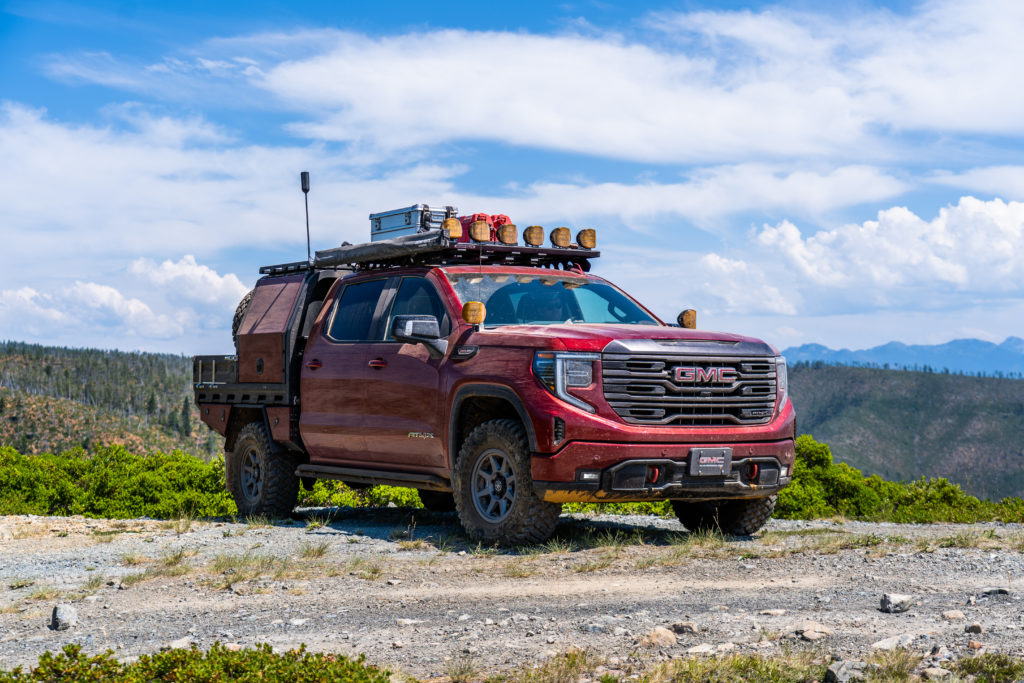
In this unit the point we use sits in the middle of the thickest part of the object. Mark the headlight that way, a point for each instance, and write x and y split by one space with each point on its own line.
559 370
781 381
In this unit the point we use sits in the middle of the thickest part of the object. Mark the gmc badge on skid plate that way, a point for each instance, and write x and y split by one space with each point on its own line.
710 462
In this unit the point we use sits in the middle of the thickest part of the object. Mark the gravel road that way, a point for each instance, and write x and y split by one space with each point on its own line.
405 588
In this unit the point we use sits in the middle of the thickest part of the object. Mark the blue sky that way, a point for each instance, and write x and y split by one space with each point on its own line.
846 176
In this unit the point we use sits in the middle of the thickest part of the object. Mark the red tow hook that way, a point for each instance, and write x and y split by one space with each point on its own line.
752 471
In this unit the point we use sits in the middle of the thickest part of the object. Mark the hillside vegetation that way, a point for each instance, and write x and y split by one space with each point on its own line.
53 399
901 425
906 425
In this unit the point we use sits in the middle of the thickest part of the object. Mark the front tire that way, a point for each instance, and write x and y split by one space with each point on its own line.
742 517
493 484
261 477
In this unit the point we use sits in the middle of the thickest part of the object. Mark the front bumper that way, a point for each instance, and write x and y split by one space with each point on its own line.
616 472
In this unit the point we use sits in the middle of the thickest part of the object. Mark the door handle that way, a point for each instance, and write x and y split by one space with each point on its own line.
378 364
314 364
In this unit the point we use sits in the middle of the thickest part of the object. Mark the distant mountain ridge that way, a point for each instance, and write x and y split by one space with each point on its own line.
969 356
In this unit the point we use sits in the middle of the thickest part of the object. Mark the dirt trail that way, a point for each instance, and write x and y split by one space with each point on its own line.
406 589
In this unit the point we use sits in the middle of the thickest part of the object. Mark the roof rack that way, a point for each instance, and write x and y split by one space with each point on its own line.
435 248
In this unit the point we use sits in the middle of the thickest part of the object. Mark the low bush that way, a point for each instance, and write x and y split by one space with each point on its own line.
193 666
111 482
823 488
327 493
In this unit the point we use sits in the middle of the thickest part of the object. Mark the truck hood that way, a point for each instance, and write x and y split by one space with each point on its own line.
635 338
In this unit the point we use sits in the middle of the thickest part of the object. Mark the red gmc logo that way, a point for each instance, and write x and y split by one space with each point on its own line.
705 375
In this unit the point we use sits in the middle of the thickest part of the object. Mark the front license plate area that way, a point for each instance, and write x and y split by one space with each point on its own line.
710 462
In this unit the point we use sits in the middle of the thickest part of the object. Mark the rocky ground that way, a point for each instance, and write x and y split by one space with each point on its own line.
406 589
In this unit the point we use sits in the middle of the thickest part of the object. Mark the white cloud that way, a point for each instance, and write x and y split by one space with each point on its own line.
706 87
1004 181
742 287
704 198
106 307
975 248
25 311
192 281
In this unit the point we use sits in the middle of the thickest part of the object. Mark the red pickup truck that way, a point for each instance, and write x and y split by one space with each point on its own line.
500 380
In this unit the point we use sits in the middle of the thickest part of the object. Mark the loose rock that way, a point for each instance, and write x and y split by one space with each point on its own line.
973 628
893 642
845 672
935 673
64 617
894 603
812 631
702 649
660 636
952 615
682 627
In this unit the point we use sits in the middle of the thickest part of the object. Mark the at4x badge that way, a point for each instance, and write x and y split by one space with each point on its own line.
421 435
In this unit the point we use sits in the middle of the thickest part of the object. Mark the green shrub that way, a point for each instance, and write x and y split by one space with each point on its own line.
111 482
822 488
193 666
336 494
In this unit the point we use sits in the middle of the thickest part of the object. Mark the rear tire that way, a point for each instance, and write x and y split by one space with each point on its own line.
437 501
261 477
742 517
493 484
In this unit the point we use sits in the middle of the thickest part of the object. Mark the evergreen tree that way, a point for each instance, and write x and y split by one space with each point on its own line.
151 404
185 423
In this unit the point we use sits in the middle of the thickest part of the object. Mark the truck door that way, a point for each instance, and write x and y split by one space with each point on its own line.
331 388
403 394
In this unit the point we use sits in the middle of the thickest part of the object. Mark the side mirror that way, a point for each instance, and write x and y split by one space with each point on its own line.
688 319
420 329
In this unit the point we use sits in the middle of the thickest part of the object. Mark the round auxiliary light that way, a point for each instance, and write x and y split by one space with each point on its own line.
587 238
452 226
561 237
534 236
688 319
507 234
480 231
474 312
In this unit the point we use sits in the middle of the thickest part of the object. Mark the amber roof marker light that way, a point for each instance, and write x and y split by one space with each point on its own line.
561 237
508 234
587 238
534 236
452 226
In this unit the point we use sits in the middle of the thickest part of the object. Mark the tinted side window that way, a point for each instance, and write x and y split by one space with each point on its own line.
416 296
354 314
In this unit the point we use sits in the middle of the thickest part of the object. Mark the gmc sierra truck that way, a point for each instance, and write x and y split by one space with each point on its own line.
499 378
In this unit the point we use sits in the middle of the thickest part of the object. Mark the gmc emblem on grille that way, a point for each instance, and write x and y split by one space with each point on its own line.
705 375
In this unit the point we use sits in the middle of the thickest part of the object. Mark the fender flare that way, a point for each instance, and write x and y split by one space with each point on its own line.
490 391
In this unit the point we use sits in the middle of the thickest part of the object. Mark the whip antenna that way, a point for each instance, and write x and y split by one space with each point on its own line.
304 178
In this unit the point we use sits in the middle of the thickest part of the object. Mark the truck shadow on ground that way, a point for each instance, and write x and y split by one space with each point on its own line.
420 529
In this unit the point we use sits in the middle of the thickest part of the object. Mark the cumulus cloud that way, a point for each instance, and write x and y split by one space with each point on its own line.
704 87
109 309
902 260
192 281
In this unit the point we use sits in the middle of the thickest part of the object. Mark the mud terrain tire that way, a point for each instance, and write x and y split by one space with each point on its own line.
731 517
240 311
494 494
437 501
261 477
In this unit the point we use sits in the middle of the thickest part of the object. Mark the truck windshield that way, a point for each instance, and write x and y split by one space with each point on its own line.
547 299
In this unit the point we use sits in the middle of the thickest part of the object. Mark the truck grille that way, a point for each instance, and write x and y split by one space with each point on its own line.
689 390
